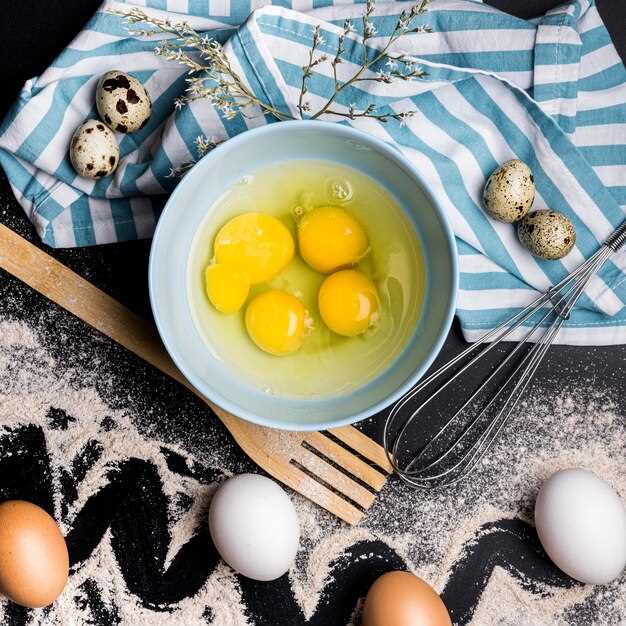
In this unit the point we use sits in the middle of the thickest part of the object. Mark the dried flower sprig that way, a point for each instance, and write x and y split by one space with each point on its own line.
203 145
211 75
399 67
307 70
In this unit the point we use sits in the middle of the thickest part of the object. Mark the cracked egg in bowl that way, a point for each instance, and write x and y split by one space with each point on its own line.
302 277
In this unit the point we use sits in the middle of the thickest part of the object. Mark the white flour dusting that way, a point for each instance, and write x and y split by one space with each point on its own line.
428 531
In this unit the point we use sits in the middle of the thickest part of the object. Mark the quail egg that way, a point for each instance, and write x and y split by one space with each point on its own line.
123 102
93 150
510 191
547 234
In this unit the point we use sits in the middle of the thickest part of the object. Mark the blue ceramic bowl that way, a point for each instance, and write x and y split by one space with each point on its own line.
187 208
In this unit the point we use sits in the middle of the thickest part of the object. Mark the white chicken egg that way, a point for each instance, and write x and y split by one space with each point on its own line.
254 526
581 522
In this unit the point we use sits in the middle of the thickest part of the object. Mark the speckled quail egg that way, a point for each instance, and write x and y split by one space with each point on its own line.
510 191
123 102
94 151
547 234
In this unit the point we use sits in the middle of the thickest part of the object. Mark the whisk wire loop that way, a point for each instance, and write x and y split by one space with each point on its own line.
460 444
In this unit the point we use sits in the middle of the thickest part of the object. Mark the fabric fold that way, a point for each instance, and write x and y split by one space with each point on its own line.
497 87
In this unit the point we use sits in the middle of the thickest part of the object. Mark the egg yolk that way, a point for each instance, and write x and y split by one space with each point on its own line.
348 302
259 245
226 287
275 321
330 238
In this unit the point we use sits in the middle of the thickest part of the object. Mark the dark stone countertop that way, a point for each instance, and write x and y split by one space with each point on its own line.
121 269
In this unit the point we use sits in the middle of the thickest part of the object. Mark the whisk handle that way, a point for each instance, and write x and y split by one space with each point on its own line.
617 239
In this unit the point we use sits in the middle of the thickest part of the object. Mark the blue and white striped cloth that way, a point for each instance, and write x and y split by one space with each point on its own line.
551 91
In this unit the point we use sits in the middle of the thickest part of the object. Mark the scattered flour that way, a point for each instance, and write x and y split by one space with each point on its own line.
429 531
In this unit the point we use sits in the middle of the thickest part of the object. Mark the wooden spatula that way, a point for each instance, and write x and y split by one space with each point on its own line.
317 465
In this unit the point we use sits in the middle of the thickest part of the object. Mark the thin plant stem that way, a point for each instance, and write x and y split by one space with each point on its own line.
366 64
212 76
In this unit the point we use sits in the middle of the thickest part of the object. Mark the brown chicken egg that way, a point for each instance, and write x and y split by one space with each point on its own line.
403 599
34 562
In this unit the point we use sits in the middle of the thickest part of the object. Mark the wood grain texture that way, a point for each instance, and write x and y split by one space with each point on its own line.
272 450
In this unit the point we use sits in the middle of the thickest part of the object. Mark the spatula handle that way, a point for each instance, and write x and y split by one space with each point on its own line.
73 293
78 296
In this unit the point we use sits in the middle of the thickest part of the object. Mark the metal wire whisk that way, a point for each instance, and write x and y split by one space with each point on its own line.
456 448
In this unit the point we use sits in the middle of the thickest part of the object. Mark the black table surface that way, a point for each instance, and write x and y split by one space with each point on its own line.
121 269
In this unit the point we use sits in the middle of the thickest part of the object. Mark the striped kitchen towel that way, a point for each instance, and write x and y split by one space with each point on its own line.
550 91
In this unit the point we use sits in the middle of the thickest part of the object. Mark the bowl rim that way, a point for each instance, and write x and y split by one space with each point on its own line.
214 395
